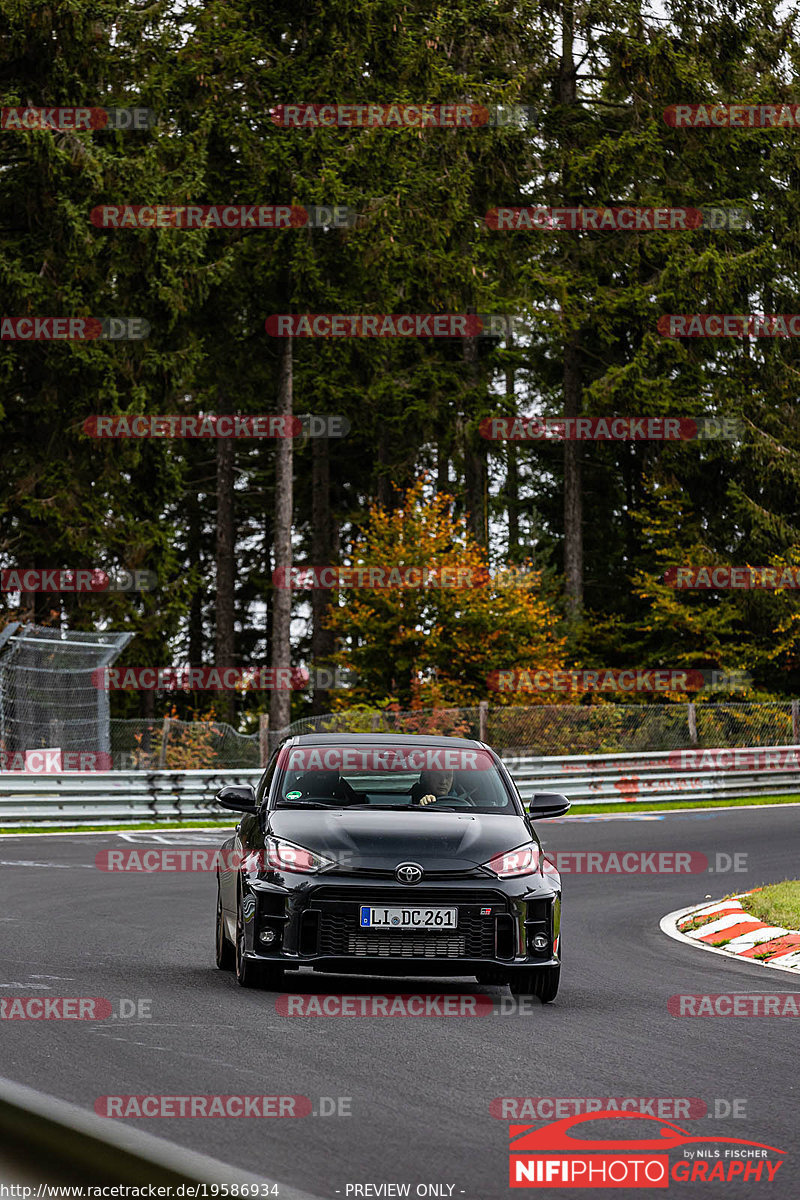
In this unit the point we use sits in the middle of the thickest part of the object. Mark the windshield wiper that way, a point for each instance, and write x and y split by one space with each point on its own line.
379 807
301 804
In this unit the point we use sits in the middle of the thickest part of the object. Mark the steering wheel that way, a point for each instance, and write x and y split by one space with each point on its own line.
462 801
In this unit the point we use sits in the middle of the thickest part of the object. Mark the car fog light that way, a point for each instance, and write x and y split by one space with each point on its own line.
267 937
540 942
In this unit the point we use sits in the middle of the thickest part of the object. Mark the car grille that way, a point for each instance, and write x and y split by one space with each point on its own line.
407 945
340 935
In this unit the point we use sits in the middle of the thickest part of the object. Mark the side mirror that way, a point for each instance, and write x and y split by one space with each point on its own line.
548 804
239 798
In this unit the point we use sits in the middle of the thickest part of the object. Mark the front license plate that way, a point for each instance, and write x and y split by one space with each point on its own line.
409 918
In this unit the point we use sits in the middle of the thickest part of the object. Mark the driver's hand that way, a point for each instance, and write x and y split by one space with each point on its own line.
429 799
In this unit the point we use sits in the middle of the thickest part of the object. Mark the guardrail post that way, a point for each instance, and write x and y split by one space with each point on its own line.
483 720
162 758
263 738
796 721
691 713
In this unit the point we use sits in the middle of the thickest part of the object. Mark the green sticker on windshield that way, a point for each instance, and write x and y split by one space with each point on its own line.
293 796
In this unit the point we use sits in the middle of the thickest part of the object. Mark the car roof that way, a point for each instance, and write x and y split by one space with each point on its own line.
380 739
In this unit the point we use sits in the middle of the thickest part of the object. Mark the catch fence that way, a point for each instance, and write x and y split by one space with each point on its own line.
536 730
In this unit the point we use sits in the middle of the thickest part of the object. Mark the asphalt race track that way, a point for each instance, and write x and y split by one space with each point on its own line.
419 1089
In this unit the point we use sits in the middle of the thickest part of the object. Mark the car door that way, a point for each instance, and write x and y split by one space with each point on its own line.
246 837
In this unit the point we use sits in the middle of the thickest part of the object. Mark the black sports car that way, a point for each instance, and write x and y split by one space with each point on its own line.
382 854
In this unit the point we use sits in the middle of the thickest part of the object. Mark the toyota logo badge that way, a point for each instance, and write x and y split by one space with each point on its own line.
408 873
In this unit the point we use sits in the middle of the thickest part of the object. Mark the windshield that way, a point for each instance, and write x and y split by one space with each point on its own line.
406 777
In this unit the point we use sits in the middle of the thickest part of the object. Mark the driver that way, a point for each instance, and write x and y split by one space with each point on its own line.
431 786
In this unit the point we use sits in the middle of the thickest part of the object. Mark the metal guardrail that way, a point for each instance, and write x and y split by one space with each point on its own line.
118 797
115 797
48 1141
718 774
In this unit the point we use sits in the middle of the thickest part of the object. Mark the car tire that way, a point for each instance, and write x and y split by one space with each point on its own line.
541 982
249 973
225 951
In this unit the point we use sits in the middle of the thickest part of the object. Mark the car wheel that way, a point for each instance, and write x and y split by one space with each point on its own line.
225 952
541 982
248 973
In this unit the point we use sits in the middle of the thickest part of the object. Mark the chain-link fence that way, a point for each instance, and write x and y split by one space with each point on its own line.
443 722
50 698
536 730
552 729
172 745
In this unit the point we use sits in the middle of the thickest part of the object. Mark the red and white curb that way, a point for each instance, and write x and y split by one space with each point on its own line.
745 936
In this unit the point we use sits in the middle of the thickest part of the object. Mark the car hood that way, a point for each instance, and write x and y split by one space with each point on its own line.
380 840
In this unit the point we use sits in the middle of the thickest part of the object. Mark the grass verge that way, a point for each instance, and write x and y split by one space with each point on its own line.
776 904
660 805
121 827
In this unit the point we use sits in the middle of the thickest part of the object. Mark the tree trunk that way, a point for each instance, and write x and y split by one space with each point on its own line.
280 660
225 650
322 555
442 469
194 536
512 467
573 491
475 474
383 485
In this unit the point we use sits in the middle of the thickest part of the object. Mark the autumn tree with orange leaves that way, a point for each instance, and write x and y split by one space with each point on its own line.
436 645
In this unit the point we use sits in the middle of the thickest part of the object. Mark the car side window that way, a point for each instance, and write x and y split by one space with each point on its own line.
264 784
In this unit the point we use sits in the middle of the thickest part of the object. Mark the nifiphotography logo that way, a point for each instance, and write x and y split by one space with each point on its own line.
566 1154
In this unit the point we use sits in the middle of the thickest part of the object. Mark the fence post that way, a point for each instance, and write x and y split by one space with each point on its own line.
483 720
162 758
796 721
263 738
691 713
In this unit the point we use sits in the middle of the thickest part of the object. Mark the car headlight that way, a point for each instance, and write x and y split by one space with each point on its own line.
522 861
286 856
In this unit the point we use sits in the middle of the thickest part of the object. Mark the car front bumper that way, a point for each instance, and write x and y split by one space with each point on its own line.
316 924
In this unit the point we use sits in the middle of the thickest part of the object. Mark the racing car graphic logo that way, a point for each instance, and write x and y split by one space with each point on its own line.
557 1155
